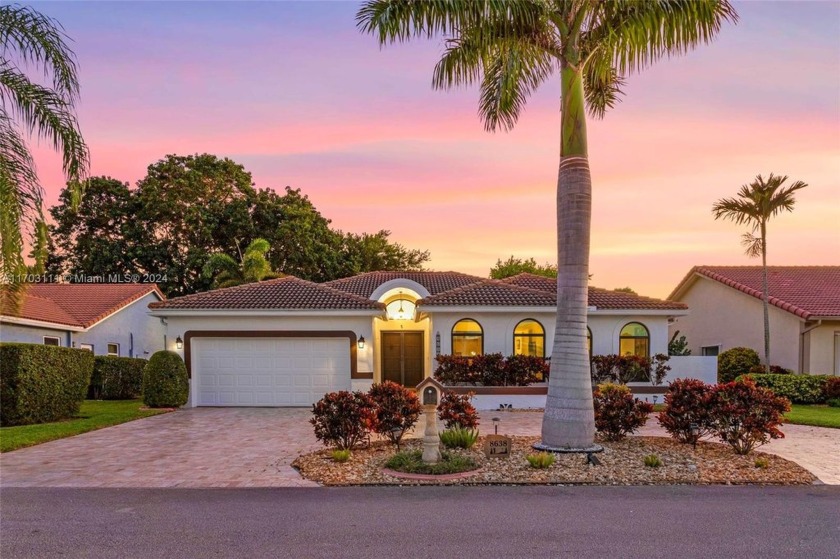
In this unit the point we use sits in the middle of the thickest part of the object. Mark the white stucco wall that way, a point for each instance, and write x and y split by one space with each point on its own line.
823 349
721 315
137 333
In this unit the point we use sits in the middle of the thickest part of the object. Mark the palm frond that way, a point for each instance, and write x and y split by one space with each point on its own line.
45 114
40 40
399 20
601 86
637 33
753 245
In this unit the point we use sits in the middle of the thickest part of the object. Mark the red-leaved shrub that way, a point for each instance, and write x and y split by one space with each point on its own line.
831 388
745 415
617 413
395 410
687 403
343 419
491 367
455 369
522 370
456 410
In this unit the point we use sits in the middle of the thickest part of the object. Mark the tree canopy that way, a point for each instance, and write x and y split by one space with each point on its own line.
514 265
189 210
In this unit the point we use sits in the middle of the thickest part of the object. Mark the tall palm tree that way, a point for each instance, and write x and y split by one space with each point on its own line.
29 110
510 47
755 204
254 266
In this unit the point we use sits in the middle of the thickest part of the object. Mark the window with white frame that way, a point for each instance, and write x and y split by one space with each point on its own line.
710 350
114 349
52 340
88 347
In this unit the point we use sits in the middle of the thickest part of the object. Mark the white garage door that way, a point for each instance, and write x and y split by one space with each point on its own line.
268 371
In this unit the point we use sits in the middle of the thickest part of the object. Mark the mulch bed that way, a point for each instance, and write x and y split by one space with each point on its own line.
622 463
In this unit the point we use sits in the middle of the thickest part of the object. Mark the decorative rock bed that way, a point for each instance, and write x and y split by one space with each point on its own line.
622 463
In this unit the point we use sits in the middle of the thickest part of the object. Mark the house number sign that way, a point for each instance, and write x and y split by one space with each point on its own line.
497 446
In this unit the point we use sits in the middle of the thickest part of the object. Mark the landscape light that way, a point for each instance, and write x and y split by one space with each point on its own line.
695 433
179 343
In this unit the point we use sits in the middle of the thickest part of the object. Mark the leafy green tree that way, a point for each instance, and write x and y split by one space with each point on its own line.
625 290
372 252
28 110
100 236
510 48
755 204
192 206
678 345
513 266
227 272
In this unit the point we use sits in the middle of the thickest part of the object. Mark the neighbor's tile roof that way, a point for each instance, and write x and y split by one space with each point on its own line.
599 298
76 304
806 291
286 293
365 284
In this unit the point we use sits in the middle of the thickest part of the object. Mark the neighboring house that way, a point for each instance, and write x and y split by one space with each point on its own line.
108 319
287 341
726 312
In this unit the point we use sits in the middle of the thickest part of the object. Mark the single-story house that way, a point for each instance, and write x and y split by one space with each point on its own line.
727 311
287 341
107 319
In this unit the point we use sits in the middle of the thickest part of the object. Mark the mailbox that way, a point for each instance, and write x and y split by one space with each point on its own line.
430 391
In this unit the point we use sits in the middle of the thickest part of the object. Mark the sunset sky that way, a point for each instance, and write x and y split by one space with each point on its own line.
298 96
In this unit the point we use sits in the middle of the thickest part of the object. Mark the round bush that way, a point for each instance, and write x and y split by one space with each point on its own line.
165 381
735 362
456 410
831 388
687 404
396 410
617 412
343 419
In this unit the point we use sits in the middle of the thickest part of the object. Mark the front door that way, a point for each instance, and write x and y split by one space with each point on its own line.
402 357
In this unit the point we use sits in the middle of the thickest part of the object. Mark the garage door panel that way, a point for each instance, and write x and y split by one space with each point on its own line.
269 371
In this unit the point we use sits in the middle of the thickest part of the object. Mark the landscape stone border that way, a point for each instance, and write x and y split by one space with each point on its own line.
429 477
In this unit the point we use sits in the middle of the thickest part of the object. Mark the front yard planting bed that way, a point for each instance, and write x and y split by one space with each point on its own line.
94 414
622 463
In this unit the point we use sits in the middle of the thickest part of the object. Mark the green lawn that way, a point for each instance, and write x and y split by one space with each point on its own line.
818 416
94 414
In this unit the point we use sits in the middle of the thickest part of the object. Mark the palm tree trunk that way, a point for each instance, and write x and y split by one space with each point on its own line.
766 298
569 420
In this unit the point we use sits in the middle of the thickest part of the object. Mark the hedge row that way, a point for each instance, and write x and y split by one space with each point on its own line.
116 378
40 383
491 369
799 389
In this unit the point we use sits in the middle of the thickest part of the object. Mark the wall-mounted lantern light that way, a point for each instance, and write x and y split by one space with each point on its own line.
361 342
179 343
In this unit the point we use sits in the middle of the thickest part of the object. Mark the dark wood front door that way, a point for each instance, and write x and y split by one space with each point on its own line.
402 357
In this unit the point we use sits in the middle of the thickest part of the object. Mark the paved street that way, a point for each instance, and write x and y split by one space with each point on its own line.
579 522
254 447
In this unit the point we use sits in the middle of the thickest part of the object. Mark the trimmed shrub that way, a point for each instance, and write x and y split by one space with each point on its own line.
833 403
735 362
617 413
745 415
455 369
774 370
621 369
456 410
492 369
116 378
165 381
396 410
687 403
41 383
799 389
831 388
458 437
522 370
343 419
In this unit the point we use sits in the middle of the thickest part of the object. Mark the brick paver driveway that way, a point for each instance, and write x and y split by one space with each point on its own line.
254 447
197 447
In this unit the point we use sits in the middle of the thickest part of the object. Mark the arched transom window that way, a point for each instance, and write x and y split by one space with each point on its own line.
467 338
634 340
529 338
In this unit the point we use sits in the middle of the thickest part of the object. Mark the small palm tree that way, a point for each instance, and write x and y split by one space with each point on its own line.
32 41
511 47
755 204
254 266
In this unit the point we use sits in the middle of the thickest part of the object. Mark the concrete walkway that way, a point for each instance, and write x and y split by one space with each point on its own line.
254 447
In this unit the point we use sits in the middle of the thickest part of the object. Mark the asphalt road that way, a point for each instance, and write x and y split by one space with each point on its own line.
408 522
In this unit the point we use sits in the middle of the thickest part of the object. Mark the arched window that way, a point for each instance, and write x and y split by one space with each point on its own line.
634 340
467 338
529 338
589 342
